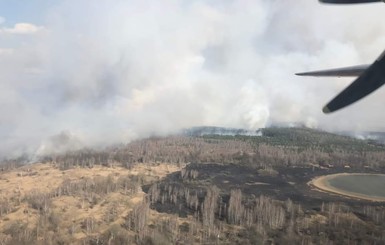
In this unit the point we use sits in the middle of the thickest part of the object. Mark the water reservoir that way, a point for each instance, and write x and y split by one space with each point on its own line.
365 186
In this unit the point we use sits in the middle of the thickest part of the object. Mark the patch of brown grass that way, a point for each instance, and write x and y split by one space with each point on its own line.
72 210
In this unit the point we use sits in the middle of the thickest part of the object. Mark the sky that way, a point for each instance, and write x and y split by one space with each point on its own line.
93 73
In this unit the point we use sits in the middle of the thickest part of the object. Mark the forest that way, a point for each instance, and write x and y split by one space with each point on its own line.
194 188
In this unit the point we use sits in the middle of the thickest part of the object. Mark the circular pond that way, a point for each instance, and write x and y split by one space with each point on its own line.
358 185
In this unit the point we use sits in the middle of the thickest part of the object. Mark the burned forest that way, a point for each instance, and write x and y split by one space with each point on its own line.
197 187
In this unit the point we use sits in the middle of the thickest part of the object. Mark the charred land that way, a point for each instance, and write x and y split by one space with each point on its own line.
199 187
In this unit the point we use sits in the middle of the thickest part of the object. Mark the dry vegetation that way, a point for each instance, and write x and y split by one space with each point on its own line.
40 203
97 197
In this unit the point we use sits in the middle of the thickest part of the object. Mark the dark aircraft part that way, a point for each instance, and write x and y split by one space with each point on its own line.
350 1
370 78
369 81
353 71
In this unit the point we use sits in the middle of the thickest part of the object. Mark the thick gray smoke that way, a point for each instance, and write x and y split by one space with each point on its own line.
100 72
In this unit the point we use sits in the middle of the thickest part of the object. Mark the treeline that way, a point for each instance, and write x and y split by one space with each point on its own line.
309 138
10 164
183 149
174 149
276 147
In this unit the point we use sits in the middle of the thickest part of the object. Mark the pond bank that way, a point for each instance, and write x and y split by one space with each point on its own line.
322 183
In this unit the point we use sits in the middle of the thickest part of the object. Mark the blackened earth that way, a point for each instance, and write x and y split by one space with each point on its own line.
282 184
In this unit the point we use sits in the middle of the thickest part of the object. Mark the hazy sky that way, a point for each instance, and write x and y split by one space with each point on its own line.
76 73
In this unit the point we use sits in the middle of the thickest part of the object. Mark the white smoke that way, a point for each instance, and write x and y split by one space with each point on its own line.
113 71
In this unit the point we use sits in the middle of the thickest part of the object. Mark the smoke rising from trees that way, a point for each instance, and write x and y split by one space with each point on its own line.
112 71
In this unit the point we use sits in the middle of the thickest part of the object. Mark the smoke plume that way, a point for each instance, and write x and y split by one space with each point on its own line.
102 72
